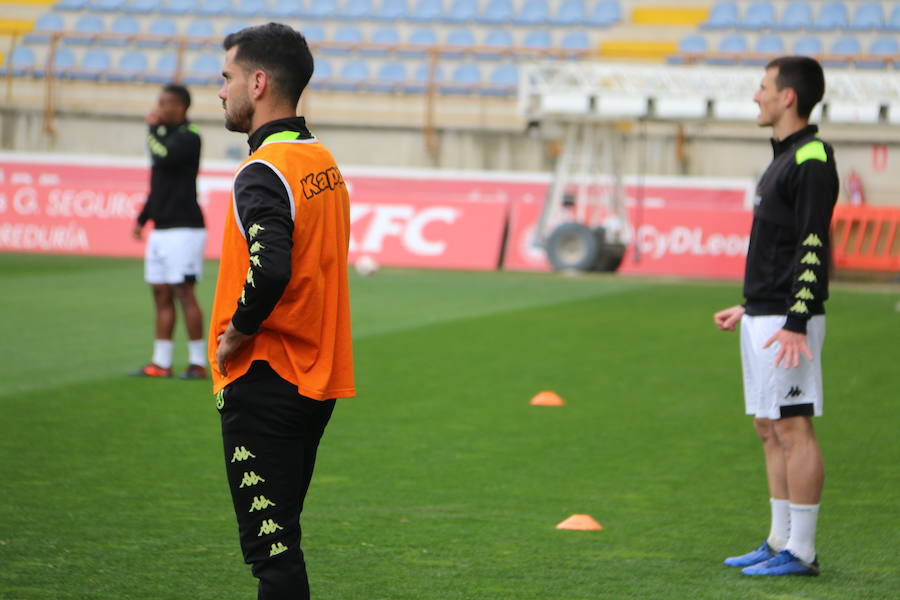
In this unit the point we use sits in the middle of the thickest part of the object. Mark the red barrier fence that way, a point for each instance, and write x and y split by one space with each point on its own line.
866 238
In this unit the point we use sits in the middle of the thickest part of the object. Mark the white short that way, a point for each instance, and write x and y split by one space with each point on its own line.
174 255
772 392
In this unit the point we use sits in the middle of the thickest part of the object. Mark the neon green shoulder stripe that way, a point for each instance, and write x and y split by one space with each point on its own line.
194 129
814 150
282 136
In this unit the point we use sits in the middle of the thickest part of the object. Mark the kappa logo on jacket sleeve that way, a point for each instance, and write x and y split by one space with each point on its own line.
316 183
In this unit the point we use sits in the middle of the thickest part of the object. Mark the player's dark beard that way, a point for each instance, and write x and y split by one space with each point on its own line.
239 117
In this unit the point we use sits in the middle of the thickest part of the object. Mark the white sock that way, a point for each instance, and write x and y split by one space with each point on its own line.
781 524
162 353
197 352
802 541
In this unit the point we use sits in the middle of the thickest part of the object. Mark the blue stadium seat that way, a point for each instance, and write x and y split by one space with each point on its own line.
503 81
538 38
724 15
164 69
893 21
387 36
22 62
570 12
313 33
392 10
459 38
867 15
419 82
605 13
358 9
345 34
64 62
45 25
123 25
204 69
389 78
464 79
886 47
796 15
832 15
689 44
178 7
426 10
759 15
353 75
93 65
202 29
496 42
322 74
498 12
808 45
86 29
534 12
462 11
131 67
577 41
250 8
214 8
841 51
163 26
320 9
235 26
70 5
106 5
729 47
424 36
767 46
286 9
141 7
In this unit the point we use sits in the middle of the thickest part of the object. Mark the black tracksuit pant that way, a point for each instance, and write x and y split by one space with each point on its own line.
271 434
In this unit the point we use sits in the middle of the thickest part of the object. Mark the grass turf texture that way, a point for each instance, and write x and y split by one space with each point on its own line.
439 481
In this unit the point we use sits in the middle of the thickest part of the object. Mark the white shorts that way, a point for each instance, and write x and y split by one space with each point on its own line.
174 255
772 392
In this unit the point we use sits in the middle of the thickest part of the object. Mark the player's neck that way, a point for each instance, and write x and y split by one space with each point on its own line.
266 115
787 126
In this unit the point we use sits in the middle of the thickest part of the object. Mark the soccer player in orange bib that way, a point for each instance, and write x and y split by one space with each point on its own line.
279 342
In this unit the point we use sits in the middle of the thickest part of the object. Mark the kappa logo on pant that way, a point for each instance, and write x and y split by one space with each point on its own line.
251 478
241 454
260 503
268 526
277 549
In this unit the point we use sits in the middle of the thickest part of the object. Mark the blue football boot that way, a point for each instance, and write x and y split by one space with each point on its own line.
784 563
761 554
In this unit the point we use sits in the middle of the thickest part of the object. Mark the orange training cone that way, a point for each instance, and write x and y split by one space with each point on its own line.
580 523
546 398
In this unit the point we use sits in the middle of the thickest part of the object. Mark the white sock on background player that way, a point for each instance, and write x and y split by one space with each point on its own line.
162 353
781 524
802 541
197 352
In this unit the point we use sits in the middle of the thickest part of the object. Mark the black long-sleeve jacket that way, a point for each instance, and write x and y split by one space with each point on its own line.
263 203
787 262
172 202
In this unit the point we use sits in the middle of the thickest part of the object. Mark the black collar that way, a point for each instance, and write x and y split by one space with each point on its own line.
787 143
297 124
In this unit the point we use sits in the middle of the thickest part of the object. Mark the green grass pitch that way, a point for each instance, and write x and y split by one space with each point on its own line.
440 481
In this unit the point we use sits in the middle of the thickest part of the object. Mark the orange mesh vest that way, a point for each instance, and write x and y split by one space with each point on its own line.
306 338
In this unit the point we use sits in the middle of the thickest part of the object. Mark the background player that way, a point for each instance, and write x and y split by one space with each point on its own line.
174 255
783 318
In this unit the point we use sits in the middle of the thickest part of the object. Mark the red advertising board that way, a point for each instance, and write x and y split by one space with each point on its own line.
411 218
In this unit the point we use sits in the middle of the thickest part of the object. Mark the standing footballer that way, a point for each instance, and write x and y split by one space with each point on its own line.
783 318
279 341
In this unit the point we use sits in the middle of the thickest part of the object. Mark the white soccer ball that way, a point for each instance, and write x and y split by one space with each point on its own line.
366 265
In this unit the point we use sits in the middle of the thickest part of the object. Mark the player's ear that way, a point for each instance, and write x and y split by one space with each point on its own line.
789 97
259 83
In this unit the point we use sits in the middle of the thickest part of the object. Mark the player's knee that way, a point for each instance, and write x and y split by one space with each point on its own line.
793 431
765 429
162 294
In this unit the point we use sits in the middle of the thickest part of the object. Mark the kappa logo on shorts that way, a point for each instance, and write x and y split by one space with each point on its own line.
794 392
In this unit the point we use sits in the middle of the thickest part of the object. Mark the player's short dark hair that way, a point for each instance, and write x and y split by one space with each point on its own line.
802 74
180 92
280 51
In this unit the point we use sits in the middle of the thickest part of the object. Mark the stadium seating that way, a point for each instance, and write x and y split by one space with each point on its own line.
840 52
724 15
131 67
867 16
178 7
605 13
571 12
322 74
216 8
832 15
497 12
353 75
502 81
534 12
807 45
163 27
759 15
357 9
459 39
347 35
538 39
387 36
391 10
71 4
94 63
426 10
313 32
576 41
142 7
204 69
389 78
86 28
465 78
320 9
249 8
419 82
765 46
728 50
22 62
106 5
893 20
64 62
285 9
202 29
691 44
796 15
497 41
886 47
123 25
462 11
44 26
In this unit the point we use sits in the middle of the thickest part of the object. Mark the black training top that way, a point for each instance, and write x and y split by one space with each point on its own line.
172 202
261 197
787 262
